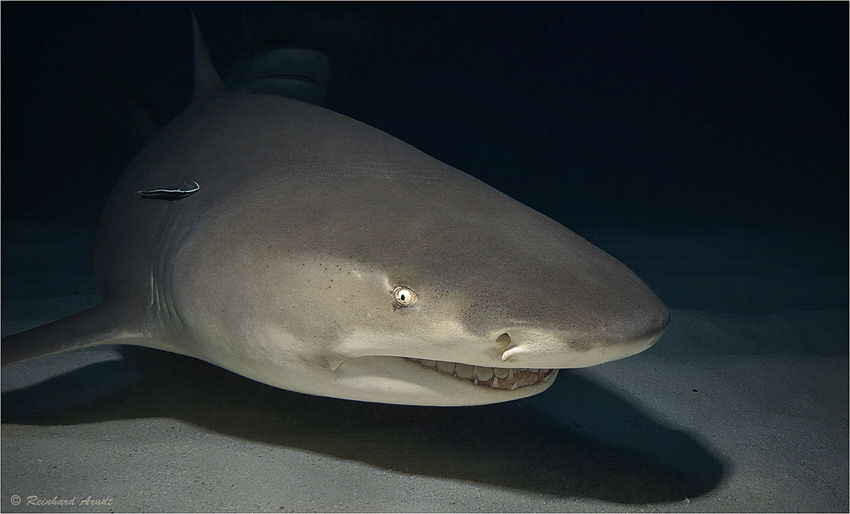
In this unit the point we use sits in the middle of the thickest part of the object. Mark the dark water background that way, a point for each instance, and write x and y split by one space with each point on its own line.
660 117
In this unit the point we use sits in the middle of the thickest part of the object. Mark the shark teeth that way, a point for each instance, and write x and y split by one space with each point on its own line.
494 378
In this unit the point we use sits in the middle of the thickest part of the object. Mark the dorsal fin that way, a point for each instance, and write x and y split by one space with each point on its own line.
207 81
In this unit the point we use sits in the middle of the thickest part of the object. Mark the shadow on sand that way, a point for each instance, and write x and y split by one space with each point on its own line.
511 445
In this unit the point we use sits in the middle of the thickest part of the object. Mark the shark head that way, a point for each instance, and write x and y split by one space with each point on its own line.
396 278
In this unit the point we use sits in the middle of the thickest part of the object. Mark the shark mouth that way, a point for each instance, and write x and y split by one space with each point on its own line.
508 379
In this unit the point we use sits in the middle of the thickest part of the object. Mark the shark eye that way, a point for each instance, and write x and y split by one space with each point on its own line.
404 296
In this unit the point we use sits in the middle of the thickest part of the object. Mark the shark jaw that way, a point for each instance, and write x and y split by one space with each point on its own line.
412 381
508 379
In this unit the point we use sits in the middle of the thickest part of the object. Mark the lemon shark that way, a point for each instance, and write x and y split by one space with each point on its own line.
303 249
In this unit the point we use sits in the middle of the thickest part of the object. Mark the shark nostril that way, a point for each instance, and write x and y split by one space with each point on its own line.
504 340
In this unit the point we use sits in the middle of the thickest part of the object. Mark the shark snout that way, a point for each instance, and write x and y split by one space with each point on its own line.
530 348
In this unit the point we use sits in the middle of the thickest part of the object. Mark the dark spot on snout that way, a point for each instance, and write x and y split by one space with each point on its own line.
581 346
